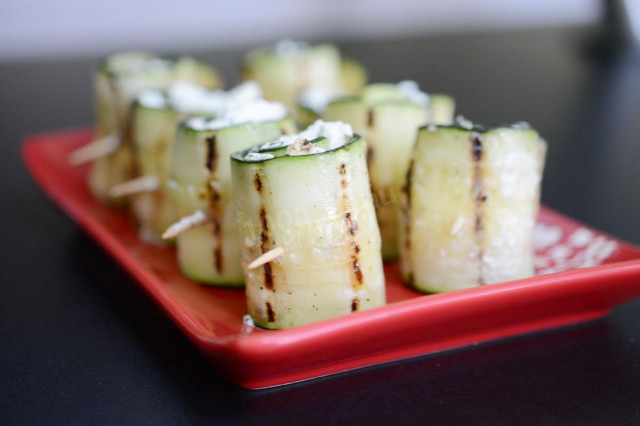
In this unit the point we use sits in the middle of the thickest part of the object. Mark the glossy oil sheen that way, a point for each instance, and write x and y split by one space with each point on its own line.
410 324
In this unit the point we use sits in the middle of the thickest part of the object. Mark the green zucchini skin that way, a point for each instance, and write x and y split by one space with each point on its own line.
201 180
119 80
319 209
470 204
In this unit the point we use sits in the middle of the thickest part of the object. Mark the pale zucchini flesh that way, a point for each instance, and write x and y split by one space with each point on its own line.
319 209
441 109
470 204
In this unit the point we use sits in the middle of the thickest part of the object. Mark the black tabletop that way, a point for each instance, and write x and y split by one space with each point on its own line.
80 343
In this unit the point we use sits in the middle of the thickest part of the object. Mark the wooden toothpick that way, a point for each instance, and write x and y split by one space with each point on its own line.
95 149
188 222
266 257
135 186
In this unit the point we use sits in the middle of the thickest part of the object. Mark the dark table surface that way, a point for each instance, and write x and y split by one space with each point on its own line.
80 343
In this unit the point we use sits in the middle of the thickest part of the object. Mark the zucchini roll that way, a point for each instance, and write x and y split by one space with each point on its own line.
118 82
289 67
470 203
155 118
388 117
309 240
200 187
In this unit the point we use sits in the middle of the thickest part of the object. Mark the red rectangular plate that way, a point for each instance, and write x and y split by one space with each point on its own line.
582 274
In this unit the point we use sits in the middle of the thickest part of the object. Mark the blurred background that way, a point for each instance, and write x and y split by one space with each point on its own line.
51 29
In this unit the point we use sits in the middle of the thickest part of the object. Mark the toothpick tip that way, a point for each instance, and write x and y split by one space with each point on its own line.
188 222
267 257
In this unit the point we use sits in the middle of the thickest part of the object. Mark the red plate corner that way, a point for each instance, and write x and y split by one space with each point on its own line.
582 274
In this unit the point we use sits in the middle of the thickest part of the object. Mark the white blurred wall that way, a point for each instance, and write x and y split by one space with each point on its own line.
43 29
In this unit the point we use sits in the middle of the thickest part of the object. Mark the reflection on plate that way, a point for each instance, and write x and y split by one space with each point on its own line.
582 274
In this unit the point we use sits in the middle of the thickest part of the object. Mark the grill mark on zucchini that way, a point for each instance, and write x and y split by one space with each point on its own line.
406 211
352 228
214 197
264 241
343 172
268 276
354 304
407 204
217 258
370 118
476 141
356 268
479 197
264 230
217 228
352 225
257 182
271 316
212 154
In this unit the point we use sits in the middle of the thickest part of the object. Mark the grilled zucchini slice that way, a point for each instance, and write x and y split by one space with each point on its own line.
471 201
314 204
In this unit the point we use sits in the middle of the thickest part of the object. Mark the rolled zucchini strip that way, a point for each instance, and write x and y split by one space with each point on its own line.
470 204
119 80
288 67
201 182
155 118
310 203
388 116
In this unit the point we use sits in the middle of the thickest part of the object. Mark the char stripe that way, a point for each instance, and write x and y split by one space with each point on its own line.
479 197
212 155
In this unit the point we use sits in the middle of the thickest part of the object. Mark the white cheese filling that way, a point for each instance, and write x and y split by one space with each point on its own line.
257 156
463 122
153 99
412 93
189 98
337 132
288 48
303 147
317 98
248 112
